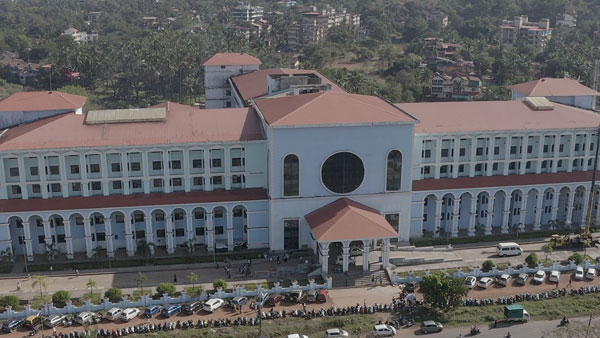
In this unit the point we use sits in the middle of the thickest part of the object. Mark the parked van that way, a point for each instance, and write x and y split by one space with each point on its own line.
32 321
508 249
84 317
504 279
114 314
55 321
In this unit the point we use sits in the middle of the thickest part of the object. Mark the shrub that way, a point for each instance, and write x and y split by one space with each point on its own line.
487 265
577 258
167 288
114 295
194 292
12 301
532 260
220 283
60 298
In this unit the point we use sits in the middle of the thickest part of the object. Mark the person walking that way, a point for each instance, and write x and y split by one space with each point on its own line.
278 260
174 278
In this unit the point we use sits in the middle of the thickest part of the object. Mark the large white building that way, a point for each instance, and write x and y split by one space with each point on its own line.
299 164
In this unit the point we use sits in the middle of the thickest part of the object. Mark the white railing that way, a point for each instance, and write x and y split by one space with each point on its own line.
145 300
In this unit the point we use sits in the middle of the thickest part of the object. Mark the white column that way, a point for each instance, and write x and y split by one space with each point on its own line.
540 154
455 214
438 158
186 170
538 211
596 211
229 230
68 238
524 144
569 157
47 232
555 153
148 222
125 172
324 257
490 162
210 231
129 244
366 250
88 238
385 253
42 172
586 201
524 198
22 177
472 216
507 154
456 157
506 213
85 191
570 207
146 171
207 167
345 255
588 138
27 240
490 215
555 198
104 173
110 251
438 217
166 170
64 186
227 166
189 222
473 156
169 233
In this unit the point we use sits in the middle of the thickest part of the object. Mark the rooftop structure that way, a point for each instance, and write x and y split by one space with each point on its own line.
560 90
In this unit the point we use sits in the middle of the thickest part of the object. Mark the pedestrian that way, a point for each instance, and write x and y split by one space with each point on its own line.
365 302
303 306
77 272
19 286
381 281
174 278
228 274
51 268
286 257
570 281
241 309
271 259
278 260
372 278
54 330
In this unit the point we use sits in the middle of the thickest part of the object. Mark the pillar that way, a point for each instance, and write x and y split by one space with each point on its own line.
366 250
68 239
88 238
150 231
506 213
438 217
524 198
455 215
229 230
385 253
596 212
129 244
586 203
186 171
472 216
210 232
555 198
570 208
490 215
345 255
169 234
538 211
27 240
110 250
189 222
324 256
47 233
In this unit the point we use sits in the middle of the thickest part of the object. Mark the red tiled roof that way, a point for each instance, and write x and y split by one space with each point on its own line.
553 87
41 100
231 59
183 124
500 181
254 84
480 116
325 108
345 219
113 201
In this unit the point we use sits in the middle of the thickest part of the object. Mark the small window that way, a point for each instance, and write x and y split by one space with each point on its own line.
561 148
96 186
216 180
101 236
495 166
218 230
222 67
76 186
176 182
41 239
36 189
156 165
54 170
34 171
218 213
176 164
159 217
116 167
119 219
228 92
198 181
496 150
236 162
513 150
135 166
140 234
94 168
60 238
426 170
479 151
427 153
14 172
461 168
462 152
136 184
138 217
178 216
528 165
74 169
197 164
228 104
445 152
199 215
157 182
478 167
55 187
216 163
237 179
15 189
512 166
199 231
179 232
444 169
529 149
117 185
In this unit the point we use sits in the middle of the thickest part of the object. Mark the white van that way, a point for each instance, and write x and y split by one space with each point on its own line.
114 314
508 249
84 317
130 313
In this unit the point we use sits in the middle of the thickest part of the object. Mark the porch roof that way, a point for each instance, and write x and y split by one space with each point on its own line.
345 219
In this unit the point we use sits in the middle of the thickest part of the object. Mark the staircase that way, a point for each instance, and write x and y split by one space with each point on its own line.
357 278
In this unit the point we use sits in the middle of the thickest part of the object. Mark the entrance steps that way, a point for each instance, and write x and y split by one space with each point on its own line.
357 278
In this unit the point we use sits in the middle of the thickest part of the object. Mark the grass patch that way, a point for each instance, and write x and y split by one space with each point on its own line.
489 238
503 266
37 302
193 291
253 286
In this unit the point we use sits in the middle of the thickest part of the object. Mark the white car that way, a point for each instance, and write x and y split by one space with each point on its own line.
84 317
130 313
331 333
539 277
470 282
579 273
295 335
554 276
356 251
339 260
591 273
383 330
485 282
212 304
504 279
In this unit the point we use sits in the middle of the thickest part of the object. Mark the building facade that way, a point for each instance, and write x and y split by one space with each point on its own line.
536 34
299 168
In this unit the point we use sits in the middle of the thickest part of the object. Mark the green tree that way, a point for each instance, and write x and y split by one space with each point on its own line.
168 288
192 277
114 295
12 301
60 298
548 248
577 258
91 284
220 283
140 279
443 293
532 260
487 265
42 282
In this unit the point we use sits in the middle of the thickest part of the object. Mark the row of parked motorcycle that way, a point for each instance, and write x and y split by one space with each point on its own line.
531 296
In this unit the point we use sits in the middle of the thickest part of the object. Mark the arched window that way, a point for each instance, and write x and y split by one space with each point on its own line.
394 171
291 175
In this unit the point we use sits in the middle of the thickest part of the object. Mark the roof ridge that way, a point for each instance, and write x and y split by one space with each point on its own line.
62 95
379 109
320 94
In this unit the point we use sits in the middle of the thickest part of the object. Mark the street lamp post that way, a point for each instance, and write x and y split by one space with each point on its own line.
258 317
24 251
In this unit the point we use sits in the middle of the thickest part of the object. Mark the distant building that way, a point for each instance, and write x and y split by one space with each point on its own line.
16 69
455 86
438 16
536 34
93 16
315 24
566 20
247 13
81 37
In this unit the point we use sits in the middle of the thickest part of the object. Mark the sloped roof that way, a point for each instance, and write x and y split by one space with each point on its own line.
330 107
41 100
254 84
231 59
182 125
480 116
553 87
345 219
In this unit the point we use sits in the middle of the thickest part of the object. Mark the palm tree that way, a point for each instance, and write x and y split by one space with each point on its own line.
91 284
587 243
140 279
548 248
552 224
189 244
193 278
41 282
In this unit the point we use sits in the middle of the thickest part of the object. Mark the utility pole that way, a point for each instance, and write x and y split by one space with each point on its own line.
596 79
592 189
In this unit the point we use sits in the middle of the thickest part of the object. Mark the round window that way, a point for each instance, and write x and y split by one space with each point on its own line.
342 173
